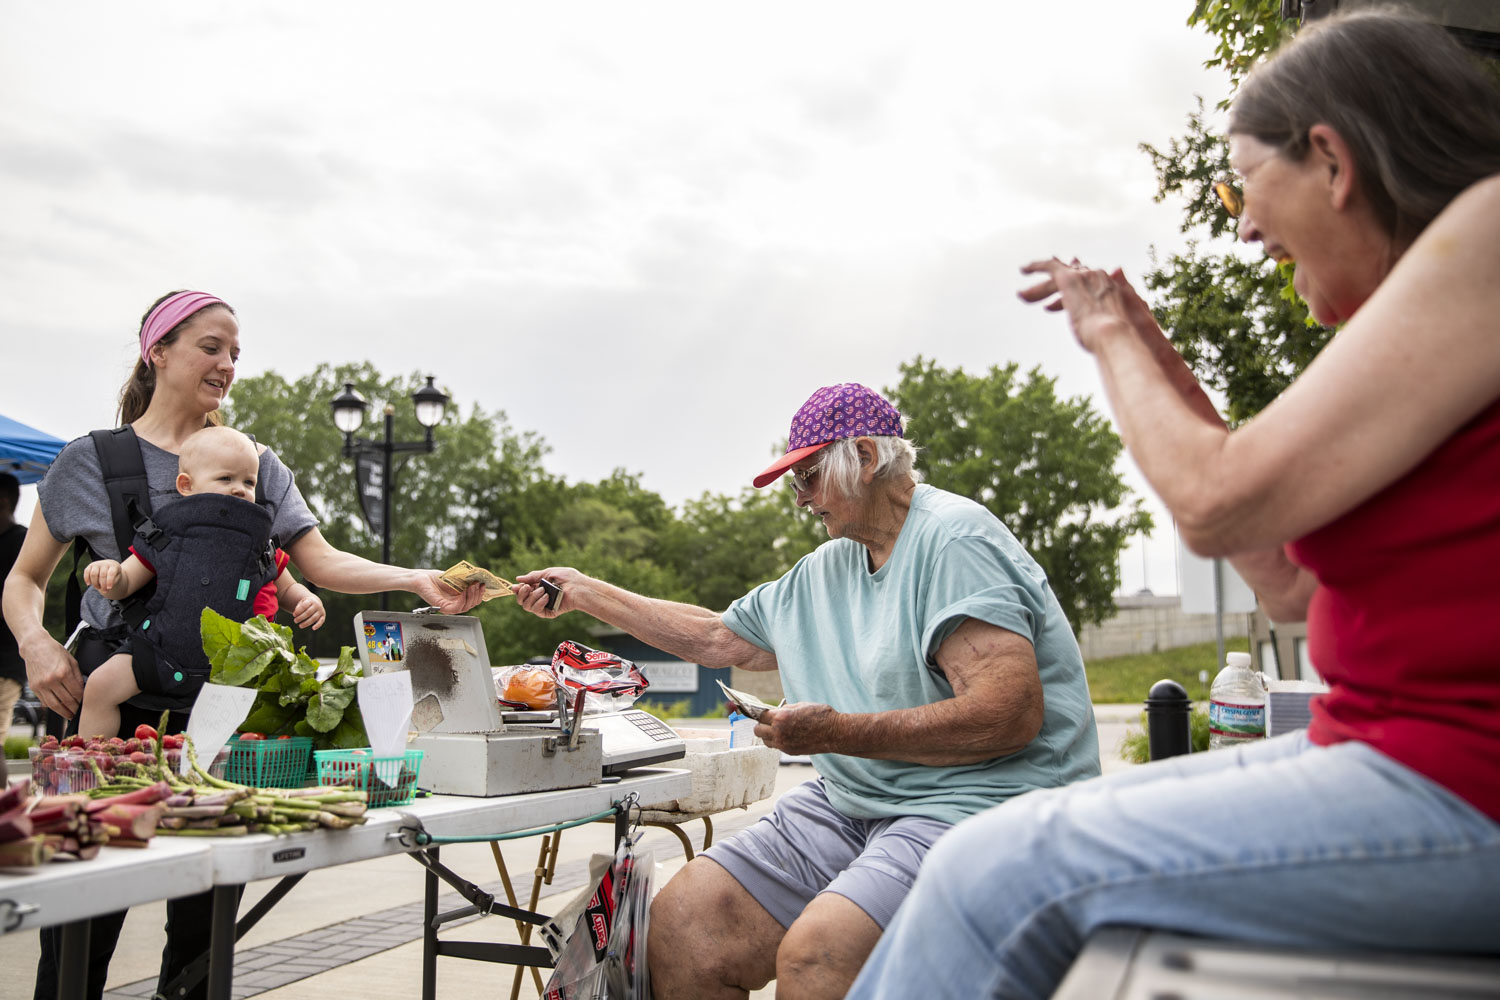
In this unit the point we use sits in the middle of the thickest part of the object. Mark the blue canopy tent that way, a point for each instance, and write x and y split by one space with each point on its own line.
25 452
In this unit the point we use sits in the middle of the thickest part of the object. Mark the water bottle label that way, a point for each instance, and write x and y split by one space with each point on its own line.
1236 721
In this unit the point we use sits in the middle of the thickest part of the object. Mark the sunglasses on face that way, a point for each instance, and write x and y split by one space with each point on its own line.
1230 197
802 481
1233 201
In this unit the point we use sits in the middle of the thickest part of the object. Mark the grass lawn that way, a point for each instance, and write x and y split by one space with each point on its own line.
1118 680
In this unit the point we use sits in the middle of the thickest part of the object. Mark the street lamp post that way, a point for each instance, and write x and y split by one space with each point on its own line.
349 409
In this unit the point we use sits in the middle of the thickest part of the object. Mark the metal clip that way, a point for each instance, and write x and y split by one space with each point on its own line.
630 805
14 913
565 720
577 719
410 833
427 610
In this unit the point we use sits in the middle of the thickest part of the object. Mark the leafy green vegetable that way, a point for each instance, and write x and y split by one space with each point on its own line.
291 701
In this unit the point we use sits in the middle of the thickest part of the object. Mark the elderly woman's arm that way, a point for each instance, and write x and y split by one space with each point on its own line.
1283 588
696 634
1418 360
51 672
996 709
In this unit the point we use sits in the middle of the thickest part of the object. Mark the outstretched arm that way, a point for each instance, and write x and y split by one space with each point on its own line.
1418 361
326 566
693 633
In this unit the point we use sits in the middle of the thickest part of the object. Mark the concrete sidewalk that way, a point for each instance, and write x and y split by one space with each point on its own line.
355 931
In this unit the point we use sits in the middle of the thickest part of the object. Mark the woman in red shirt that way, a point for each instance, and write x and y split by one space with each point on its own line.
1365 500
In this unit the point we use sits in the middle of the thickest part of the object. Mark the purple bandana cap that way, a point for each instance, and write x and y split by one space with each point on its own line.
836 412
833 413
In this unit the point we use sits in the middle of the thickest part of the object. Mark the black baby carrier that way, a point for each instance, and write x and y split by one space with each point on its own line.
209 551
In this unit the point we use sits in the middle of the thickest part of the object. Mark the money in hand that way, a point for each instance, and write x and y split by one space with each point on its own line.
462 574
749 705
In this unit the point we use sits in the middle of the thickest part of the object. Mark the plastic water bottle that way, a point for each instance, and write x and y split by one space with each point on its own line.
1236 704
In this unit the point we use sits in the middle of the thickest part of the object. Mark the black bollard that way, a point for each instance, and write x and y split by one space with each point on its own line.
1167 709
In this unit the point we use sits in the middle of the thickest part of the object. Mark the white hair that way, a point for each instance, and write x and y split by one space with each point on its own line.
895 458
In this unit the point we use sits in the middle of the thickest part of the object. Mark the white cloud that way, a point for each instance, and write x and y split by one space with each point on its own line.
691 215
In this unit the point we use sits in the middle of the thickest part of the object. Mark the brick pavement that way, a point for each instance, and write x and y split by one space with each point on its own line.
279 963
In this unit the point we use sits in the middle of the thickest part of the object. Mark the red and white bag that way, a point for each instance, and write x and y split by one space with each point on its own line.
611 683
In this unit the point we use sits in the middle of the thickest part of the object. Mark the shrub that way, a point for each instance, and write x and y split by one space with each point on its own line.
16 747
681 708
1136 746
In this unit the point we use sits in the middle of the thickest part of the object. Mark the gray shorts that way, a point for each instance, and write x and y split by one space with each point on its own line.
804 846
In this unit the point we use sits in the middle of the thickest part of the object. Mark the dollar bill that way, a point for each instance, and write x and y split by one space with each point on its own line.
464 573
749 705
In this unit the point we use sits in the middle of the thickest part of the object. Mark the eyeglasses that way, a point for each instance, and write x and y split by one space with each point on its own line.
1233 201
802 481
1230 196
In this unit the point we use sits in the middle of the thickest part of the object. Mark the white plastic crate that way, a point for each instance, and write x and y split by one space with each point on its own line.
723 778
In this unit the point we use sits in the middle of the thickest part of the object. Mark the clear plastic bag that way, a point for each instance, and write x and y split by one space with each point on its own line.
605 956
525 687
610 683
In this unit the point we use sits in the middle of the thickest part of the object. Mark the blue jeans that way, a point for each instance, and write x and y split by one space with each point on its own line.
1279 842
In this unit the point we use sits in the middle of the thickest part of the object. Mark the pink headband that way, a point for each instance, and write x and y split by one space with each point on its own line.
173 310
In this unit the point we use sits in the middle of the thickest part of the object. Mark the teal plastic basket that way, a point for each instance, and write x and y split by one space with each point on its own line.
388 781
273 763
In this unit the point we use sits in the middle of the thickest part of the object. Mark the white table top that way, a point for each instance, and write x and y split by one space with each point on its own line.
119 877
237 860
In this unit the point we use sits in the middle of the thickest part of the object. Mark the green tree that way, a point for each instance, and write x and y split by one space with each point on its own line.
722 547
1246 31
1235 320
610 530
478 495
1045 466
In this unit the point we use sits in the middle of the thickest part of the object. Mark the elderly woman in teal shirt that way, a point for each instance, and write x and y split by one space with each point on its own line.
930 674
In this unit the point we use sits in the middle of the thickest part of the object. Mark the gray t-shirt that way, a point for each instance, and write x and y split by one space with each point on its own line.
75 504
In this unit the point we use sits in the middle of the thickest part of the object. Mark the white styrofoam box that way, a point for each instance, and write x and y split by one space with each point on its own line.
723 778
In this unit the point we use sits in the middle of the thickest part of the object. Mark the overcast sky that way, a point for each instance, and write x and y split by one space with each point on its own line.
646 231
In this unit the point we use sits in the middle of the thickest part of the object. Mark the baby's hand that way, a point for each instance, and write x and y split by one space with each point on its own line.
102 575
309 612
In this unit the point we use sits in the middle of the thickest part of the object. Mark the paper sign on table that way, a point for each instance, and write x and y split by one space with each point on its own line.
426 714
216 714
385 703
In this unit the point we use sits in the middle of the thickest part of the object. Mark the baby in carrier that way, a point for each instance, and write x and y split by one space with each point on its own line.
214 549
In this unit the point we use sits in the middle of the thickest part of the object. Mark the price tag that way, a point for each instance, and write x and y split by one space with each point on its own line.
385 703
216 714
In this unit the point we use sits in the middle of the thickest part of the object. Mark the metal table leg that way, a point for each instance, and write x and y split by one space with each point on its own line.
222 937
429 932
73 961
541 874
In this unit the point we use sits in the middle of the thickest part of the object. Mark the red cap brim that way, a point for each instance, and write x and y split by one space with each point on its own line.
778 468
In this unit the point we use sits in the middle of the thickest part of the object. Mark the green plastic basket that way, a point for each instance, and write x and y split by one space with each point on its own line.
388 781
269 763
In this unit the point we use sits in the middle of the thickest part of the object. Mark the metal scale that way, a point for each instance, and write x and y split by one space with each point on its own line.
468 747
